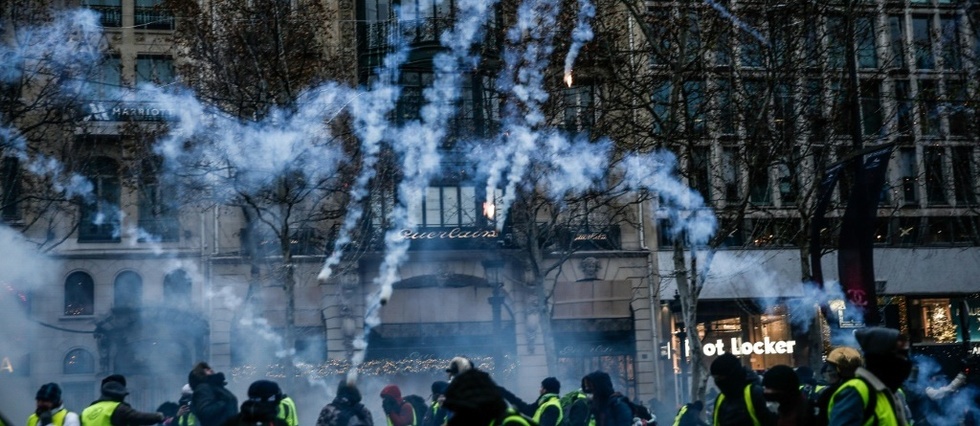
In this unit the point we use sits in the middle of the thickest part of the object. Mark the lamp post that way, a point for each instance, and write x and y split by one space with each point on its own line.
492 268
681 333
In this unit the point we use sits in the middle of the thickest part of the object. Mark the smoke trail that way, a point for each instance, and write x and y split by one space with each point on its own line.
725 13
581 35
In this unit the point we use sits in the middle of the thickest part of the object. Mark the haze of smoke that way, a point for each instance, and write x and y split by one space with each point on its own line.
951 409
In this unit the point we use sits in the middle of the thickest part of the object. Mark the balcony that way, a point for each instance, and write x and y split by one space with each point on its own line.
109 16
153 18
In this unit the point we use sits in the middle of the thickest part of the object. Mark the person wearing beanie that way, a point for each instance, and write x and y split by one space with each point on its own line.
398 411
457 366
870 396
50 409
436 413
546 410
184 415
781 387
841 365
345 409
608 407
212 403
741 401
111 410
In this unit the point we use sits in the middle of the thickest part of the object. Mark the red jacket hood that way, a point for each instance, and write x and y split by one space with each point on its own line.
393 392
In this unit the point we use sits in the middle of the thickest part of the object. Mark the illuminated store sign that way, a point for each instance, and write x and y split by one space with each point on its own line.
738 347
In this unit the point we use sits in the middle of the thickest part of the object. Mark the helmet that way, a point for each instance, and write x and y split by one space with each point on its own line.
846 360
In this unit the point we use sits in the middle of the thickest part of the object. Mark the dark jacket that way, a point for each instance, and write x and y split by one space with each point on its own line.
797 413
608 407
124 415
342 408
256 414
212 403
734 409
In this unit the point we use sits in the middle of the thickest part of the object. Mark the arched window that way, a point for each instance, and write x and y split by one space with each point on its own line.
79 361
100 219
79 294
177 286
127 290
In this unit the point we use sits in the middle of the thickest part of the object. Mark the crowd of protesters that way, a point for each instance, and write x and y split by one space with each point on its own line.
876 383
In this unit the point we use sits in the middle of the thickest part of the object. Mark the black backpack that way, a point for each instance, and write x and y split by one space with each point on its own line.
418 404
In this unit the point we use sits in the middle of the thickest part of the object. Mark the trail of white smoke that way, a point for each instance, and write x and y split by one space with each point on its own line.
418 143
581 34
529 47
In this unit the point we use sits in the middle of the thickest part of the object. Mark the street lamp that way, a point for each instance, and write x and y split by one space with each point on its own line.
678 313
492 269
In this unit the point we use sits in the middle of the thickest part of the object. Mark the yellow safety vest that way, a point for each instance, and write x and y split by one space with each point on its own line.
99 414
553 401
187 420
415 419
681 413
747 395
287 411
58 419
512 418
884 413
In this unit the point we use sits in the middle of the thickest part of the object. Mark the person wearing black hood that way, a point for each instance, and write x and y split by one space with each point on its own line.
261 408
741 401
110 410
436 414
781 386
609 408
212 404
50 410
474 400
345 409
871 396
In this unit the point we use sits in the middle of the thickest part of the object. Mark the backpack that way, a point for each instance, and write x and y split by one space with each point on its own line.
419 405
567 402
641 415
350 416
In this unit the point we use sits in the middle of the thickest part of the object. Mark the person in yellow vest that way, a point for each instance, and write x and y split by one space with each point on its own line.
870 397
50 410
436 414
741 401
546 410
184 415
839 367
690 415
111 410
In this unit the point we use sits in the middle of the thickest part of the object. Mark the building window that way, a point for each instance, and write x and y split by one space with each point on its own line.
949 43
929 107
158 208
78 361
661 107
108 79
935 178
759 192
154 69
578 108
10 207
896 26
909 175
700 169
871 107
752 49
922 42
79 294
100 218
127 291
448 206
694 107
151 15
836 49
110 11
904 107
964 176
865 38
730 173
177 287
960 114
931 321
789 187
